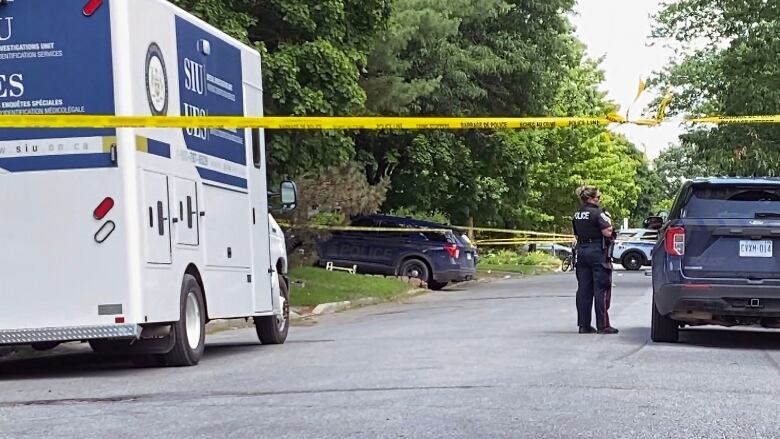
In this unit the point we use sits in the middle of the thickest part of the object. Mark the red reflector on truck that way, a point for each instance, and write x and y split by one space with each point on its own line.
119 320
103 208
91 7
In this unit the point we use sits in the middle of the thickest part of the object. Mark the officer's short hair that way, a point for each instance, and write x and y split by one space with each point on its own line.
585 193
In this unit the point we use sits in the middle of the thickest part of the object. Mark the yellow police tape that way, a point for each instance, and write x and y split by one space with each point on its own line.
517 232
525 236
349 123
366 229
514 244
520 241
736 119
300 123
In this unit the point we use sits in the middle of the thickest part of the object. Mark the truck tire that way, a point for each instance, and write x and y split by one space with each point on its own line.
663 329
633 261
274 329
190 331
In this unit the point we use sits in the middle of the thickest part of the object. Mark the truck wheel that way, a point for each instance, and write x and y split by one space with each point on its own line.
633 261
436 286
273 329
415 269
663 329
190 331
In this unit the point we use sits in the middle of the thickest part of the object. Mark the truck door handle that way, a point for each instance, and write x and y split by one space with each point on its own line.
190 212
160 219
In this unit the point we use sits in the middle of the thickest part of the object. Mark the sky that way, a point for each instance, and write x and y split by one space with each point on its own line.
620 30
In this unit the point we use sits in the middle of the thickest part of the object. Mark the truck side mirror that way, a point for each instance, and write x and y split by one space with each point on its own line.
289 194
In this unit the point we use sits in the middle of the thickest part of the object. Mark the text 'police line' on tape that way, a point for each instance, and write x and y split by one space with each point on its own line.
299 123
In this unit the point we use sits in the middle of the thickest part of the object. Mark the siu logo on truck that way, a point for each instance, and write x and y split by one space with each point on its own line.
156 81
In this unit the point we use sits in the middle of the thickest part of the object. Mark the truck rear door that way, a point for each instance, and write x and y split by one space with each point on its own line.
63 261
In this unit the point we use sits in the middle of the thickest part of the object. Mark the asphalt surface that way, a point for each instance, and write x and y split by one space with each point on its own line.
499 359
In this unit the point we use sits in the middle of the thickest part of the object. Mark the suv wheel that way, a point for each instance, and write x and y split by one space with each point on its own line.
633 261
415 269
663 329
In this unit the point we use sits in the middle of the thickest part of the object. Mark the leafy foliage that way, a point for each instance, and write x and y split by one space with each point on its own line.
330 197
313 54
436 217
736 72
434 57
456 58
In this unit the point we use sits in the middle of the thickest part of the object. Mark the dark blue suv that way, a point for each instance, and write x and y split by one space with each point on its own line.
437 258
714 262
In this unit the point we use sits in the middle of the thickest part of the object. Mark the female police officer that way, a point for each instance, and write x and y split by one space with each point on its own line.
594 232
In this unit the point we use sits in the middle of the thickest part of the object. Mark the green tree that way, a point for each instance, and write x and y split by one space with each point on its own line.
735 73
438 57
677 164
313 55
573 157
458 58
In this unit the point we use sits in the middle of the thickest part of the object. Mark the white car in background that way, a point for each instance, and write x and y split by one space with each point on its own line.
634 248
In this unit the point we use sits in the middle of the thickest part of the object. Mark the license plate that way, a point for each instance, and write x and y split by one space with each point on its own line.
755 249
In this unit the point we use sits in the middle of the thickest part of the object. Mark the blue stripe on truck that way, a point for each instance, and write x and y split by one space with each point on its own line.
159 148
208 174
57 162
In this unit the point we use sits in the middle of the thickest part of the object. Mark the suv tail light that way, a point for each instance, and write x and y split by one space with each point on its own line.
453 250
675 241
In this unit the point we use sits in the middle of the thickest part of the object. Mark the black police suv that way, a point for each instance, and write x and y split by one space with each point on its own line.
437 258
715 261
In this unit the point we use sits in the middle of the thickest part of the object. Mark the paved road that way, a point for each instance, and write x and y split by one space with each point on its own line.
493 360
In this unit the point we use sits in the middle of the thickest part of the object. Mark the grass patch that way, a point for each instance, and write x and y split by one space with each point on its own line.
506 261
322 286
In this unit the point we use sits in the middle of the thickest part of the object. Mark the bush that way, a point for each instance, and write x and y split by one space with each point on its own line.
436 217
509 257
328 197
329 219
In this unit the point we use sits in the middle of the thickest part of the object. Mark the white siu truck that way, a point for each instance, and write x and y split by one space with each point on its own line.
133 239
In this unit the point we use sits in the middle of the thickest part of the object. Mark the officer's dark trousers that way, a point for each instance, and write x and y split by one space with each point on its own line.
595 283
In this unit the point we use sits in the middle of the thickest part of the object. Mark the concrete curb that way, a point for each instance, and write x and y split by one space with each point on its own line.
336 307
306 313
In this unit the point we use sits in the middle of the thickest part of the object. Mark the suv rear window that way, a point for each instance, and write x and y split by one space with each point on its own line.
414 235
733 202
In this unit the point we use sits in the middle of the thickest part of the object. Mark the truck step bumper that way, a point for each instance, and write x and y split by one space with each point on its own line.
69 333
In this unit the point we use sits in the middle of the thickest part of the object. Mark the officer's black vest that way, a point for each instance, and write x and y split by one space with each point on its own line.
586 223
